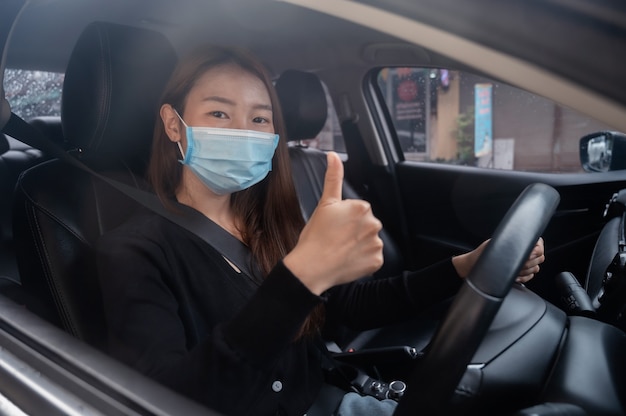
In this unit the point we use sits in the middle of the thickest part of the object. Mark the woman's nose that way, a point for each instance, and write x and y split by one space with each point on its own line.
240 123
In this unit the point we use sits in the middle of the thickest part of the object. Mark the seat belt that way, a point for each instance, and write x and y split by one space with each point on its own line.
194 221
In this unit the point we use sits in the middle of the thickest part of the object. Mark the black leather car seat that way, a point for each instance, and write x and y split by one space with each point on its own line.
15 157
303 101
112 85
51 127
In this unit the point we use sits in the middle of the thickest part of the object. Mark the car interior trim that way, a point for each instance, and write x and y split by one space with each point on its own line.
74 371
527 76
8 20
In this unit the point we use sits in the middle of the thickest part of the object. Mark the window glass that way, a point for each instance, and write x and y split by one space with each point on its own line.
33 93
454 117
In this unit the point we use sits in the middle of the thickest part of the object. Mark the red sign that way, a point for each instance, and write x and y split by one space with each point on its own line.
407 90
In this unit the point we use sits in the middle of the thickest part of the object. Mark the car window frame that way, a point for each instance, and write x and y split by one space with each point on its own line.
386 127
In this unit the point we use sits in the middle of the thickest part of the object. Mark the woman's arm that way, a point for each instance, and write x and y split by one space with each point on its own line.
146 329
367 304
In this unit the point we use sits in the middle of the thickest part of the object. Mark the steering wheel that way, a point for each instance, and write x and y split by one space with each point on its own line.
439 371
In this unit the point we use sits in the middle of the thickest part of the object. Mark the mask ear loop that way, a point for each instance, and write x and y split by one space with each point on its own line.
180 147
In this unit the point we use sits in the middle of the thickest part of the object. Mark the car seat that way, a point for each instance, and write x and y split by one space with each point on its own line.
15 157
303 101
112 85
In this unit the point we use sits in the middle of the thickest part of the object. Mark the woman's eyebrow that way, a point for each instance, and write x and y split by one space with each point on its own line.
267 107
219 99
224 100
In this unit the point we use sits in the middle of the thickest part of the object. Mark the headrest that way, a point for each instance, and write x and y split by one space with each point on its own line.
50 126
303 102
112 85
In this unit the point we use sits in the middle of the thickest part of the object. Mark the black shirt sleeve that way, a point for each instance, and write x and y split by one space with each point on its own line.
230 363
142 309
372 303
275 313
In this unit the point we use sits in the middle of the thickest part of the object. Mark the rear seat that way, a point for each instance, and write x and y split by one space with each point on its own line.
16 157
51 128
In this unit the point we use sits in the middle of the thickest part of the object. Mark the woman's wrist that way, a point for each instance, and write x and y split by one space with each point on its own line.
303 273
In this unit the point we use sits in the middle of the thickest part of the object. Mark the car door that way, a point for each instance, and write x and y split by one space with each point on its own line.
45 371
465 146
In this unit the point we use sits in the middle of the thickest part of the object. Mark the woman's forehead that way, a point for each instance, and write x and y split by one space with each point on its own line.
229 80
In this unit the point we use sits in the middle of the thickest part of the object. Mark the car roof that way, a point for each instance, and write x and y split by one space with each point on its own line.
550 47
267 27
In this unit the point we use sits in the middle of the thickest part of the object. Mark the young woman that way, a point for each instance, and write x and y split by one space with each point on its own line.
180 312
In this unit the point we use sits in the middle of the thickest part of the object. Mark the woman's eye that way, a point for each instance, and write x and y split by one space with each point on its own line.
260 120
218 114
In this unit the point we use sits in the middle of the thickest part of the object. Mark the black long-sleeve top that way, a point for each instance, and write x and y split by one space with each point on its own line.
177 311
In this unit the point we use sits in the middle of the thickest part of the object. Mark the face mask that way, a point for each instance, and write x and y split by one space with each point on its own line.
228 160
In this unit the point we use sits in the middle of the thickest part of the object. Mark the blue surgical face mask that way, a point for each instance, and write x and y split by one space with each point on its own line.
228 160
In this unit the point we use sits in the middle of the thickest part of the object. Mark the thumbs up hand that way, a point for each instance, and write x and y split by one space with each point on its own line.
340 243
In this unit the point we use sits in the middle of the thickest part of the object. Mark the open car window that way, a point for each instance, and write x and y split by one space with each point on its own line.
456 117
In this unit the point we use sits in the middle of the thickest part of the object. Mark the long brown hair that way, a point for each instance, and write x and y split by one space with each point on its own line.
269 212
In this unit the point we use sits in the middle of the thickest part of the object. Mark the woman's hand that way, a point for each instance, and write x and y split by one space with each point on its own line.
340 242
464 262
531 267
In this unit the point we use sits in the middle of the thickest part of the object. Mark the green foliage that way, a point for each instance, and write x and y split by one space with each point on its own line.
464 134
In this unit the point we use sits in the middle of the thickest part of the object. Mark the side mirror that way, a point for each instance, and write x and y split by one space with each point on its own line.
603 151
